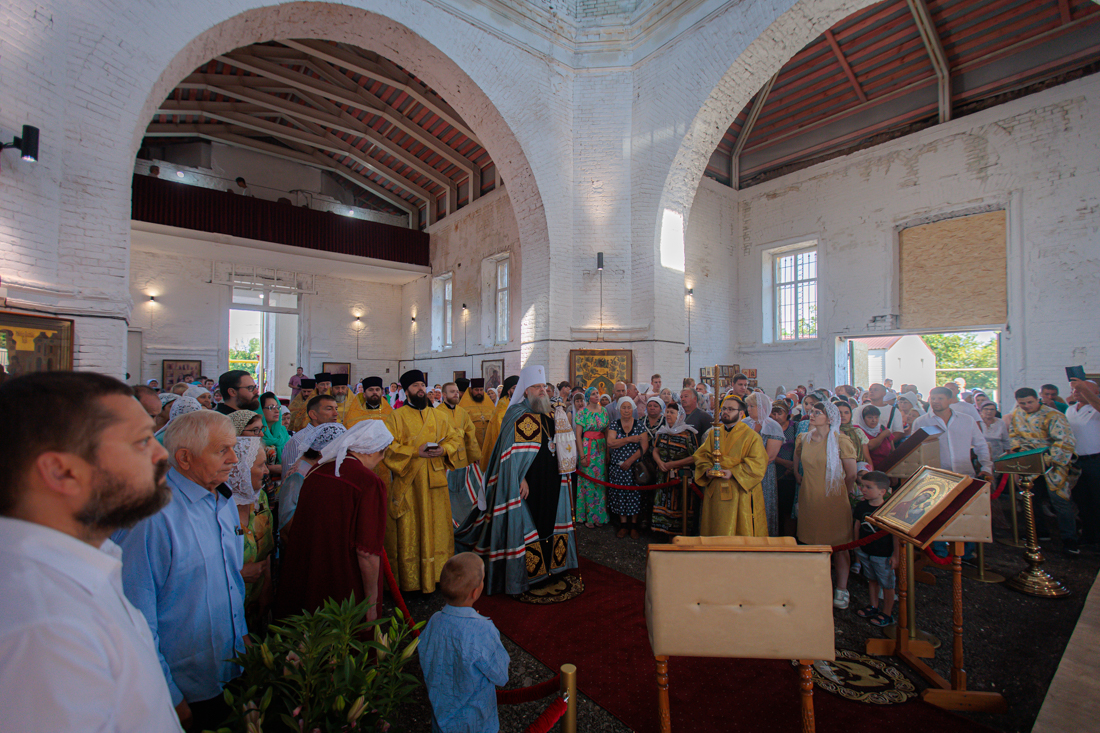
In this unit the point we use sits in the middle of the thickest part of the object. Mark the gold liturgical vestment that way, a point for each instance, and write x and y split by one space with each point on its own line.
733 506
493 431
298 416
358 411
481 413
460 420
419 527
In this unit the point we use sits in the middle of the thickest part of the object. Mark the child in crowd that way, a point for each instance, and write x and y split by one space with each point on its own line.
880 442
879 558
461 654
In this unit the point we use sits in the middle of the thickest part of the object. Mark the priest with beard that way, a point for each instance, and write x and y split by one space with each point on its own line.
522 526
493 431
465 480
340 392
370 405
298 417
419 527
479 407
733 503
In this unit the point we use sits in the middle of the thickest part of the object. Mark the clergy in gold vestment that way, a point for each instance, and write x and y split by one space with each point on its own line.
493 431
479 407
298 417
459 419
367 406
733 504
419 526
340 392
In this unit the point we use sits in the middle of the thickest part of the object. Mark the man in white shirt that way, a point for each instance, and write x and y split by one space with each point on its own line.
890 417
1084 419
75 655
963 408
960 436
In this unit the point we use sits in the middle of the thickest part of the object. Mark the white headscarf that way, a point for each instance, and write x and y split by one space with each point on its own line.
680 426
913 400
368 436
857 418
183 406
240 478
624 400
195 391
534 374
283 410
834 469
166 397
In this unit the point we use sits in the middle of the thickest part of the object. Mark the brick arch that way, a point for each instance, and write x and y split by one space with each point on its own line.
762 58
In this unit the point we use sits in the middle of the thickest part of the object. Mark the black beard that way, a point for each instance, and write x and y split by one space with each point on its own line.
418 402
104 511
253 405
373 404
477 397
730 422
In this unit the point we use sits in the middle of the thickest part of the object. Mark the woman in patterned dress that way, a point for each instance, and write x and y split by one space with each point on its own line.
628 442
674 450
590 424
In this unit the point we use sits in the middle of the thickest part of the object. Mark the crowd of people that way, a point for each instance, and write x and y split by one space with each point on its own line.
149 531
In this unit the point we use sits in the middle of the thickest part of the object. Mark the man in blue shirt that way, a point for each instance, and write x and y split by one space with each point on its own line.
182 569
461 654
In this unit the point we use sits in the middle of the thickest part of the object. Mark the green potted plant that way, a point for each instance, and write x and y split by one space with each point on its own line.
330 670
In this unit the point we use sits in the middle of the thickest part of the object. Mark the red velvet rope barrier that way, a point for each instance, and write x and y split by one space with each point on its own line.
1001 488
860 543
549 717
936 558
395 591
529 694
627 488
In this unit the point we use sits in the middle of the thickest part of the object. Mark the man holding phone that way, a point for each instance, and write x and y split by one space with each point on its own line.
419 528
1084 419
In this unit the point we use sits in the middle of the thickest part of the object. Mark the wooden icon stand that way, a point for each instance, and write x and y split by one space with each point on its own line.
741 597
966 519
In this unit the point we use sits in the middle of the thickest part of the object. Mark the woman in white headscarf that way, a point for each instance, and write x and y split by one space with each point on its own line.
828 461
246 481
180 406
291 486
628 442
909 405
673 450
334 549
760 420
202 395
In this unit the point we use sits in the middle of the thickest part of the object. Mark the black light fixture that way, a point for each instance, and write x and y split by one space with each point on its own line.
599 260
414 319
463 306
27 144
691 291
152 298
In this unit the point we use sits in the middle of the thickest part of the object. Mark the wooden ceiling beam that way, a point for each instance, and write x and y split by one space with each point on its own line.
844 65
746 130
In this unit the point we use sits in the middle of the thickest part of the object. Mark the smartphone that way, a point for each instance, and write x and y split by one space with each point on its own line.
1075 372
432 446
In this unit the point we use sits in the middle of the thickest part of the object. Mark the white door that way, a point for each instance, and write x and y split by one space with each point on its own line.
134 358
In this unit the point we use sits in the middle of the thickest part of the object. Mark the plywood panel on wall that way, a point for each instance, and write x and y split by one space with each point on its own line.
953 272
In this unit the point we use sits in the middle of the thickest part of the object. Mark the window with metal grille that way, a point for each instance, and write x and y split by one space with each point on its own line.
795 293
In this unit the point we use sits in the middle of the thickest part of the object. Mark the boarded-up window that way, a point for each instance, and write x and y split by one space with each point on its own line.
953 272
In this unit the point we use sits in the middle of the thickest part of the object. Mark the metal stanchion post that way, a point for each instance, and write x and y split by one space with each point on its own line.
569 692
1015 541
980 573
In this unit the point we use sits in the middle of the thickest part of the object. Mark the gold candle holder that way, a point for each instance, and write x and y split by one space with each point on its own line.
715 433
1033 580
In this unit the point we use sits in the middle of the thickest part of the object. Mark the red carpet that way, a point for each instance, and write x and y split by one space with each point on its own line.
603 632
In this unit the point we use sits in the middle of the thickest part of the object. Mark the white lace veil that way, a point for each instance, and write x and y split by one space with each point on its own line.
834 469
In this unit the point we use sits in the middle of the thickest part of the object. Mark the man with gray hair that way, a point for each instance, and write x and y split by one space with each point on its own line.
182 569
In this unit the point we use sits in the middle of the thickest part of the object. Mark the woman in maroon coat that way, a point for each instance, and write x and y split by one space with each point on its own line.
334 546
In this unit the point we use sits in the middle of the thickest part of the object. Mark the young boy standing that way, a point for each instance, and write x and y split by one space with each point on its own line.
879 558
461 654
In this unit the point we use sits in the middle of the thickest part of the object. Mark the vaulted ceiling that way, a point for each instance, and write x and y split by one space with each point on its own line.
354 113
899 66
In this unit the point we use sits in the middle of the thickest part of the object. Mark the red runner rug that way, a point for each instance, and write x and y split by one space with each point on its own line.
603 632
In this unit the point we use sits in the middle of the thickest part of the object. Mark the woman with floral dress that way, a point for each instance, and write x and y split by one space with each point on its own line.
673 450
628 442
590 424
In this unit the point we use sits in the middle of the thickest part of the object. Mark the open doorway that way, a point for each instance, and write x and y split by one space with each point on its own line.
263 336
927 360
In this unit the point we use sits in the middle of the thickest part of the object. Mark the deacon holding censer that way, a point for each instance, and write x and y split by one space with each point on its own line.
730 465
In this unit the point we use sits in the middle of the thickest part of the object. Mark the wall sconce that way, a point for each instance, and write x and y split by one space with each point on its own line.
414 319
27 144
463 307
599 260
691 291
152 299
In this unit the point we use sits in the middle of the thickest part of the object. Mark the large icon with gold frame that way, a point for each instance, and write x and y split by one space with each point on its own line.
920 500
601 368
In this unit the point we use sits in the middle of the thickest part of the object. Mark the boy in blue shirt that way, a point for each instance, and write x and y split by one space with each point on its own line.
461 654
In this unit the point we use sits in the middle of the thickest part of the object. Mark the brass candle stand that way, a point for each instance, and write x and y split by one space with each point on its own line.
1033 580
716 470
